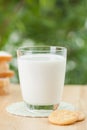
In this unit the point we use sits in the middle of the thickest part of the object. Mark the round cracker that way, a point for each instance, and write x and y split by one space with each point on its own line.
7 74
63 117
5 56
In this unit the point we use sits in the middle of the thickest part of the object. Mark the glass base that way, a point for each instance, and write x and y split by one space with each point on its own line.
42 110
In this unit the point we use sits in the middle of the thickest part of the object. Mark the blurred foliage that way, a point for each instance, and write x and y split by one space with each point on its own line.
47 22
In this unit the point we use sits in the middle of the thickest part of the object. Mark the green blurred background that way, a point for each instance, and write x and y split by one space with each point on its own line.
47 22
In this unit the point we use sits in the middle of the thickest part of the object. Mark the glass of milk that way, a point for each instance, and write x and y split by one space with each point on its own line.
42 74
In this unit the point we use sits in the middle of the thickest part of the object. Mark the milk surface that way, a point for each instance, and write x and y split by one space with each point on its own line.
41 78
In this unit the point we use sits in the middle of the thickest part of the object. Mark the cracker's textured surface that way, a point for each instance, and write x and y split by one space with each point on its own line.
63 117
4 82
81 116
4 66
4 86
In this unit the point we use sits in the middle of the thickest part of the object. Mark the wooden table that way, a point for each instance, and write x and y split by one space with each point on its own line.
76 95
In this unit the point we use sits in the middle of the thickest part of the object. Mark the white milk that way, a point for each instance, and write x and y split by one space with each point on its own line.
42 78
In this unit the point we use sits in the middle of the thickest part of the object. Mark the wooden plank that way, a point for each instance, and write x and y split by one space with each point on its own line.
73 94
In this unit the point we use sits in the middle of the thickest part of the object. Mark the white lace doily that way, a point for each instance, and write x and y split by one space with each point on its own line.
20 109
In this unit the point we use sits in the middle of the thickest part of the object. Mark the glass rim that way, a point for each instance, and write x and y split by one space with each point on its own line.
24 48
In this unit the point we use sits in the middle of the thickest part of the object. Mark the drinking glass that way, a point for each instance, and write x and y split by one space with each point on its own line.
41 74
